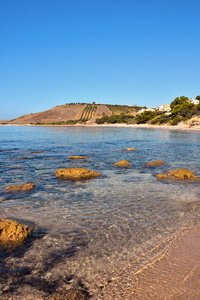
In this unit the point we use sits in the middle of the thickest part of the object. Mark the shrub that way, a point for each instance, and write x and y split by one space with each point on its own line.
175 121
122 118
161 119
71 122
145 116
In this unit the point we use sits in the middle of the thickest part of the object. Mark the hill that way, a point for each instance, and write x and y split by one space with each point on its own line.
71 114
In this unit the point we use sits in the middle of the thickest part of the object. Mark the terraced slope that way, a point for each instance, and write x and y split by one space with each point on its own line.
89 112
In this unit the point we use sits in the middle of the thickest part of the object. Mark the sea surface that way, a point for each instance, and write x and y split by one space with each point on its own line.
85 232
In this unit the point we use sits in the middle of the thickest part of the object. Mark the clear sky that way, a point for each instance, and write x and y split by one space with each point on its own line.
109 51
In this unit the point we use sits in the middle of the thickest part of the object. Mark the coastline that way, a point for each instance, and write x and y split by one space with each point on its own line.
180 126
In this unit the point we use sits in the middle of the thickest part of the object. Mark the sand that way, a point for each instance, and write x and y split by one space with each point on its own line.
174 274
180 126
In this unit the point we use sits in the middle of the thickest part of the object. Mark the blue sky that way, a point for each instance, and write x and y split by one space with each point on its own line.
117 52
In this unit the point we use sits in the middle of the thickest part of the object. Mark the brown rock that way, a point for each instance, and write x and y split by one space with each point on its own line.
77 157
37 151
178 174
11 232
155 163
130 149
25 187
122 163
71 294
76 173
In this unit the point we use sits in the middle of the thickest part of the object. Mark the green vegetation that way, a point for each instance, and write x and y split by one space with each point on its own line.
89 112
175 121
123 109
122 118
162 119
69 122
184 109
145 116
198 97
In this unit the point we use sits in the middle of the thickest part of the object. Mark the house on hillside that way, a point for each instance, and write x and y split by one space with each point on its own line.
145 109
164 108
194 101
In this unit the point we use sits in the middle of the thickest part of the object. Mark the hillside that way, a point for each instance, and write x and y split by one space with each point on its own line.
63 114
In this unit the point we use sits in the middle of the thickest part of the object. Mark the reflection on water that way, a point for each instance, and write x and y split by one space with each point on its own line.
91 228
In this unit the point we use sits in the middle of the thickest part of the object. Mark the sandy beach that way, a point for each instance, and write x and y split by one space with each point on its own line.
173 274
180 126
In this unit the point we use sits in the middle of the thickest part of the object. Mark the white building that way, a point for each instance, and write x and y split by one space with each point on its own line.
194 101
163 108
145 109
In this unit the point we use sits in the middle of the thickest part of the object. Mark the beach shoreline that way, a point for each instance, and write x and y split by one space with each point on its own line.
137 126
171 274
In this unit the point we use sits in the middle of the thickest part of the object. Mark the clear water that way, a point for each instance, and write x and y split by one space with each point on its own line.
87 230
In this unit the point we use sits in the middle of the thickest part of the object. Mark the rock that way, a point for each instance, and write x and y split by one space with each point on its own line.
178 174
37 151
25 187
122 163
76 173
130 149
71 294
155 163
77 157
11 232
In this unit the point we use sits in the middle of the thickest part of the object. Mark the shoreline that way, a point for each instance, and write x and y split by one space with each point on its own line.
174 273
181 126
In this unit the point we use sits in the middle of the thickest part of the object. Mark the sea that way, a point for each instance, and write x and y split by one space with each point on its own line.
86 232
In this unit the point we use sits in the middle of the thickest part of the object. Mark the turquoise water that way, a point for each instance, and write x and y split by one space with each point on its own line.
86 230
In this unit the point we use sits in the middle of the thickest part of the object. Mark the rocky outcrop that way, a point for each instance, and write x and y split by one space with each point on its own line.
130 149
155 163
76 173
16 188
122 163
77 157
178 174
11 232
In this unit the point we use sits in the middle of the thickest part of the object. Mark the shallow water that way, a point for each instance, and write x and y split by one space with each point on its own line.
87 230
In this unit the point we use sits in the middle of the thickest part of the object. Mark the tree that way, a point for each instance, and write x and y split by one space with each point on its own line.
181 107
198 97
178 101
145 116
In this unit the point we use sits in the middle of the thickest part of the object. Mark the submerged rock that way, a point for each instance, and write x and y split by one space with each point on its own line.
76 173
37 151
11 232
178 174
130 149
155 163
71 294
122 163
77 157
25 187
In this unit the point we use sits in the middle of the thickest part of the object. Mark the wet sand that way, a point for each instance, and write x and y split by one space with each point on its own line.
175 274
